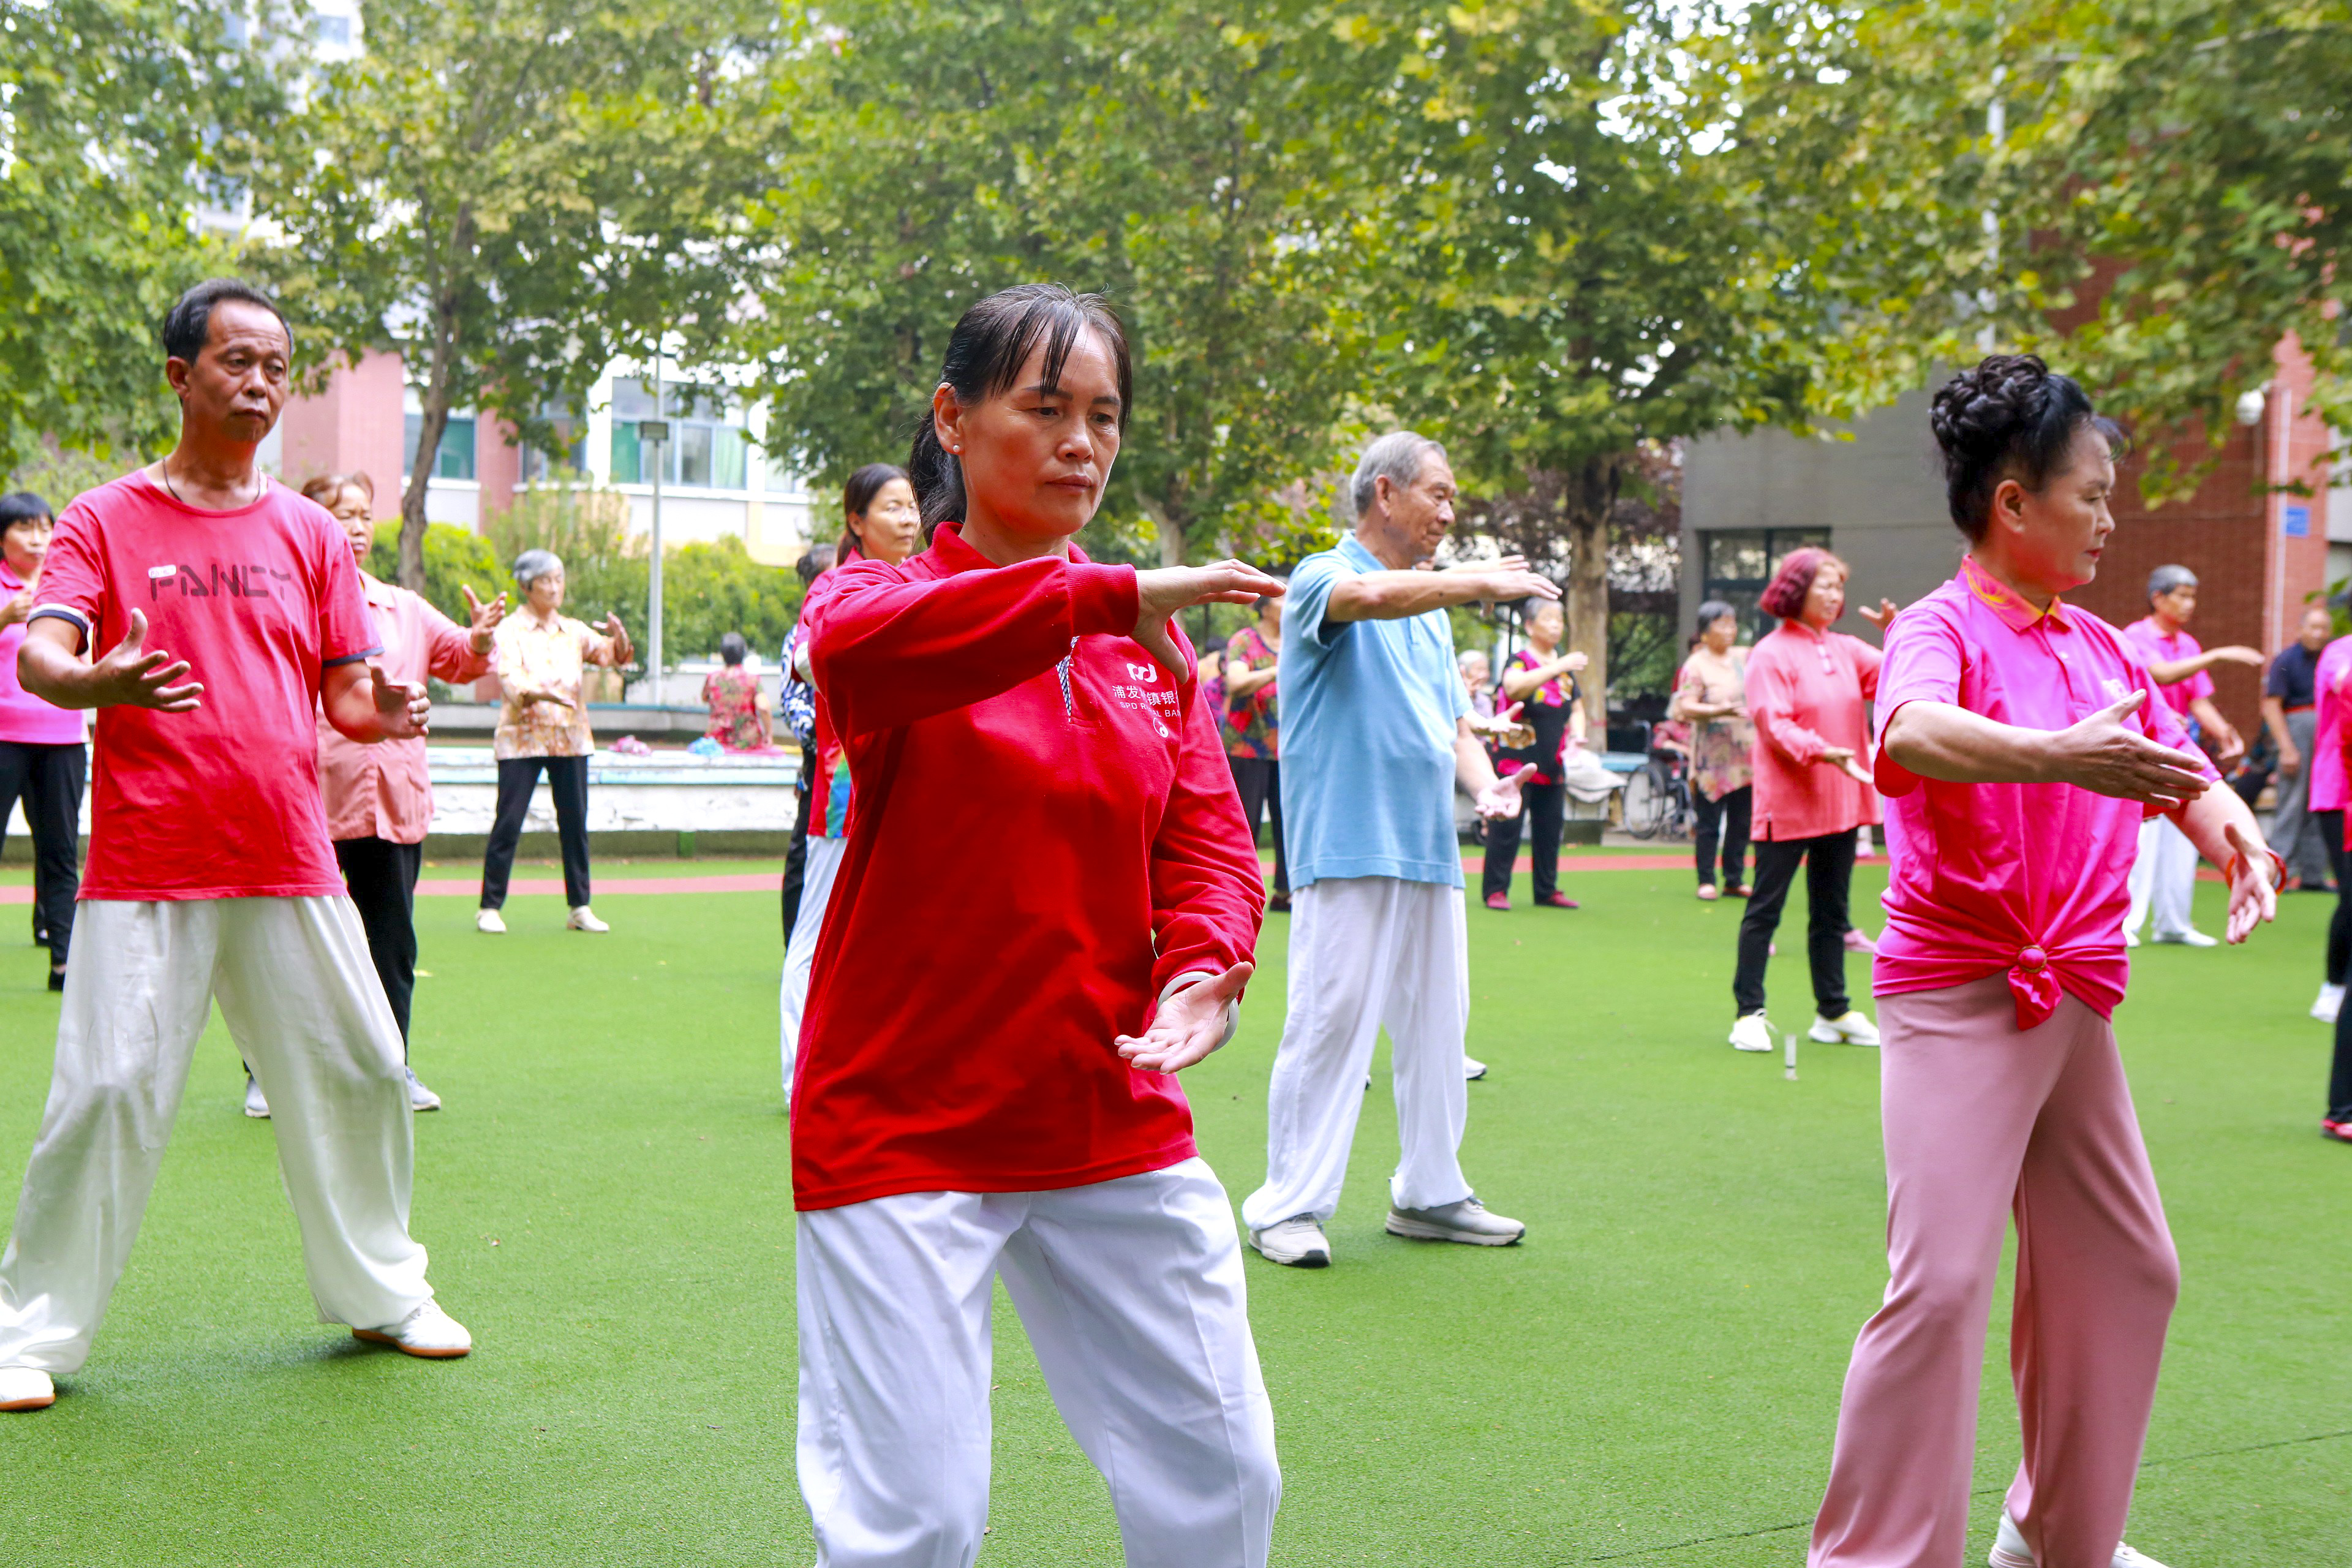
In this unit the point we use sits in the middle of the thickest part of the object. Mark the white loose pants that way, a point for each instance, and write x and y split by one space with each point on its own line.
2163 877
817 873
1132 1294
304 1005
1367 952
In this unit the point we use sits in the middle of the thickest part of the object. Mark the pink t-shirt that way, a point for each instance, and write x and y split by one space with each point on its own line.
24 718
222 802
2153 646
2027 878
2331 684
1807 691
384 789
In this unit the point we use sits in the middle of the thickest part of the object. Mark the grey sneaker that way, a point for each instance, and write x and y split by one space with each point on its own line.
419 1097
1467 1221
1298 1241
257 1104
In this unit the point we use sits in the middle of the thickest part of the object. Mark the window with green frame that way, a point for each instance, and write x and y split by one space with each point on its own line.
454 461
706 450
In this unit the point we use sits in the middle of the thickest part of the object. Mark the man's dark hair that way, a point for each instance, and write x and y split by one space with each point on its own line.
23 506
813 563
188 325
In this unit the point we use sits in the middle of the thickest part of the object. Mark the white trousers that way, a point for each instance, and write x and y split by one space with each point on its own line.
1132 1294
305 1008
817 873
2163 877
1367 952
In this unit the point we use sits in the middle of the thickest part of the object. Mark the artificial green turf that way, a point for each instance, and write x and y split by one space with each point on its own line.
1651 1379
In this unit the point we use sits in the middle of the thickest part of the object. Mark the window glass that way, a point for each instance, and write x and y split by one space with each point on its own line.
707 448
692 439
333 31
1739 563
454 461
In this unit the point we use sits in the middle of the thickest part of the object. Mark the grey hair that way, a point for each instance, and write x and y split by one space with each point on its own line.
2165 579
1462 660
532 564
1396 458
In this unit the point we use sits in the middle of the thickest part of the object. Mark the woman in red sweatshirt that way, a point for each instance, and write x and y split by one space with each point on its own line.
1046 908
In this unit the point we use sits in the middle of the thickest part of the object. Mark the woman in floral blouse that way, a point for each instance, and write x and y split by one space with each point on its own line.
739 712
1252 723
1711 695
543 727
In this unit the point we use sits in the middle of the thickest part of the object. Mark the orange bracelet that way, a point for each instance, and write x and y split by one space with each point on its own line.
2278 868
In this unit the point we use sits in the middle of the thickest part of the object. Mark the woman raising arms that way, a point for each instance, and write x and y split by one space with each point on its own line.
1044 809
2020 743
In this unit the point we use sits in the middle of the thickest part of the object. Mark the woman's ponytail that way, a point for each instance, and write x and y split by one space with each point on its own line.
937 477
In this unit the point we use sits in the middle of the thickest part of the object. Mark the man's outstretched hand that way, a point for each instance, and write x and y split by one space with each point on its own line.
1189 1024
403 710
132 676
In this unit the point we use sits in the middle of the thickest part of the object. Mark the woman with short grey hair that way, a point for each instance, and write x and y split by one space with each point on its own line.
539 660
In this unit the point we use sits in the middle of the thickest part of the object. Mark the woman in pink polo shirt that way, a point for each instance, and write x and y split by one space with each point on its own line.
42 760
2331 688
2021 744
1807 690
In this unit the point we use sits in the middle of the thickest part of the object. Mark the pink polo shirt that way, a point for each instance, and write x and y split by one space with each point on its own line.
2027 878
2155 647
24 718
1807 692
2331 684
384 789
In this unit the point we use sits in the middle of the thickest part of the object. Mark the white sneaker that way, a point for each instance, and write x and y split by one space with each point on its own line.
2131 939
1472 1068
429 1331
2010 1551
585 919
2192 937
1465 1221
25 1388
491 922
1851 1029
419 1097
2330 1002
1298 1241
257 1104
1753 1033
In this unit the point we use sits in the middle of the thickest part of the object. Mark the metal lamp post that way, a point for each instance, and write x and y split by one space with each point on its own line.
655 430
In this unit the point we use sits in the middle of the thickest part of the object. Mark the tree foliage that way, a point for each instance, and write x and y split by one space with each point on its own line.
512 193
118 124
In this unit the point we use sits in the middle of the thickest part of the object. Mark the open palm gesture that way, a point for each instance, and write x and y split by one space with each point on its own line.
1189 1024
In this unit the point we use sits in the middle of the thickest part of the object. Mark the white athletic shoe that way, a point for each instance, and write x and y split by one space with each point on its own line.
2330 1002
1752 1033
1472 1068
2131 939
585 919
257 1104
2192 937
1298 1241
1465 1221
490 920
419 1097
1852 1029
2010 1551
25 1388
429 1331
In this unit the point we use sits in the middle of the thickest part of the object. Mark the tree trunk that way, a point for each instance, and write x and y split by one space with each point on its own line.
1589 497
420 472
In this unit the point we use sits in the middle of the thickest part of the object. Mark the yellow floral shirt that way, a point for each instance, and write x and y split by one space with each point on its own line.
546 655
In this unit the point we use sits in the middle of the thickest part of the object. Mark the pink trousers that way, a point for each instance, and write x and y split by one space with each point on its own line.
1982 1121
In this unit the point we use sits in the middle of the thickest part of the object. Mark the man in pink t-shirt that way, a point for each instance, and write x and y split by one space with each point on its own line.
2163 877
210 873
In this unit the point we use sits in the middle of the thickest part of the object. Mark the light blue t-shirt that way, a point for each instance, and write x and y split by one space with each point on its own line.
1369 716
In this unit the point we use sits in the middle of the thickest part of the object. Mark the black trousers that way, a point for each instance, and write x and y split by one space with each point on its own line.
48 779
1546 808
567 781
1259 781
796 853
2330 828
1829 880
1725 819
382 878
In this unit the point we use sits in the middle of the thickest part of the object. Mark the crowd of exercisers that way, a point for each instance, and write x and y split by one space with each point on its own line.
1017 753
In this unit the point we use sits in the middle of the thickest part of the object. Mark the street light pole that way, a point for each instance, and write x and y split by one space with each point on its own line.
653 575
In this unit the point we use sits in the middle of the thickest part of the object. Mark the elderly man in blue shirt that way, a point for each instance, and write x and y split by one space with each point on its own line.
1375 733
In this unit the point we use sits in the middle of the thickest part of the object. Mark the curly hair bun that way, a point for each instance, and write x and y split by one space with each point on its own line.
2006 417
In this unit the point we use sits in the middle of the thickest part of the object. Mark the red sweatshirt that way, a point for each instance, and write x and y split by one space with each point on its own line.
1038 848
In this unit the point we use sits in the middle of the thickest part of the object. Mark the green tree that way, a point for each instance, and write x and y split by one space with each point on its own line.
119 120
1196 162
512 195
